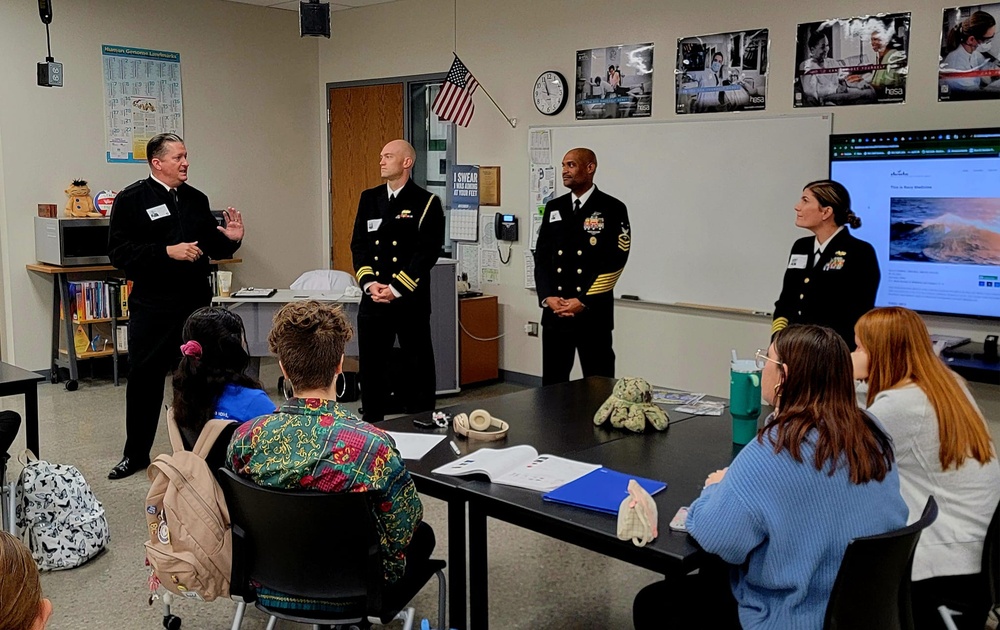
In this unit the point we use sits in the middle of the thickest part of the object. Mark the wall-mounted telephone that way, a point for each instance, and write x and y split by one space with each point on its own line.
505 227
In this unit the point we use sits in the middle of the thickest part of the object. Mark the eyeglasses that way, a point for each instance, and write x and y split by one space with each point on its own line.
984 40
761 359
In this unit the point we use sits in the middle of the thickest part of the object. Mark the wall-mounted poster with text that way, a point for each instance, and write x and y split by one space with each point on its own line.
614 82
852 61
969 69
725 72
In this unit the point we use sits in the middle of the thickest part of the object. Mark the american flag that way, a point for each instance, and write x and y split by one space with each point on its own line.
454 102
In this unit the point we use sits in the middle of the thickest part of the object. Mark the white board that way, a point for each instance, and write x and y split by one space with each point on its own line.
711 202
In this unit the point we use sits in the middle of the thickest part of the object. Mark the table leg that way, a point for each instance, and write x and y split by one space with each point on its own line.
479 604
456 564
56 300
31 418
68 321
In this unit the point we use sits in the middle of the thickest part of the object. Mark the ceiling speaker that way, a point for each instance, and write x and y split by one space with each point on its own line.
314 19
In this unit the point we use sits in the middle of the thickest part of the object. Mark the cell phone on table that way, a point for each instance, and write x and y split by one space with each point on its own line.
679 522
423 423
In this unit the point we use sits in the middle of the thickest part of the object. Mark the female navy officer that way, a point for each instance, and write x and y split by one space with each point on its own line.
832 277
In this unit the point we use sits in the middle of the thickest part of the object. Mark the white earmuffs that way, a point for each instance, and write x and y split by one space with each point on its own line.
480 425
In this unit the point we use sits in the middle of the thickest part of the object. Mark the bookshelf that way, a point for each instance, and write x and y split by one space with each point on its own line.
65 356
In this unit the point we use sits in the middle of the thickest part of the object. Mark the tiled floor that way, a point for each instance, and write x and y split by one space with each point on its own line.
536 582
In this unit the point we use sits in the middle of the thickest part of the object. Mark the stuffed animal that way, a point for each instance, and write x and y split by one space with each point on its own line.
630 407
80 204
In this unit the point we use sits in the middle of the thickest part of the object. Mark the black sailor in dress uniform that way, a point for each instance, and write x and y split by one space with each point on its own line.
398 233
582 247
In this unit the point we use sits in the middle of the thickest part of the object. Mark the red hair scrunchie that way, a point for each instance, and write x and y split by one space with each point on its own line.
191 349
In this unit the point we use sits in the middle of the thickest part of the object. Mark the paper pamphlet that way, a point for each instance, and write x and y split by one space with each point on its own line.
665 397
519 466
414 445
703 408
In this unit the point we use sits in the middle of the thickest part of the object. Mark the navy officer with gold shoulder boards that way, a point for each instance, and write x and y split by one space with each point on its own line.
582 247
398 233
832 277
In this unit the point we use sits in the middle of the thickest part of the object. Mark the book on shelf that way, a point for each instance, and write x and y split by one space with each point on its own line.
518 466
93 299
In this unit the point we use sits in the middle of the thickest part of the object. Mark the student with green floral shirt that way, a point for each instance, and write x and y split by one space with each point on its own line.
313 443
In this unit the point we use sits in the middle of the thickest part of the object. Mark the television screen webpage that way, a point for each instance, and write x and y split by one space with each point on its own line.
929 203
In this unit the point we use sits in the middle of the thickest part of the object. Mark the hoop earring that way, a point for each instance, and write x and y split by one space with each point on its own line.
287 390
343 390
777 390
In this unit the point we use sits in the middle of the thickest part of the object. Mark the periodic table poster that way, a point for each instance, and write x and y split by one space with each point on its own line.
142 98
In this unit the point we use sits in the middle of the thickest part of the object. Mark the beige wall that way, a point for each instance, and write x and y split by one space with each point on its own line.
251 122
507 45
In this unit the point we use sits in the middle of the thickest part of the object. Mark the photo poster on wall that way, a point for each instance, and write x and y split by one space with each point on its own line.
724 72
142 98
969 67
614 82
543 186
464 198
852 61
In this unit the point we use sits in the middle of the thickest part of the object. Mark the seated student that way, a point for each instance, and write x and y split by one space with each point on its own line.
943 448
818 475
334 451
210 382
22 606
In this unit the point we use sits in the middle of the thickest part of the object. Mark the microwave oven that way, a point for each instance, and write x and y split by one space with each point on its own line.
67 242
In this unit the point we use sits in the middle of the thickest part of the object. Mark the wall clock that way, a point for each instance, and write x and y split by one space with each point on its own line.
550 93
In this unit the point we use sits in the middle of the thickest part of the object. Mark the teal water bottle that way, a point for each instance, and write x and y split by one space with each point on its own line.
744 399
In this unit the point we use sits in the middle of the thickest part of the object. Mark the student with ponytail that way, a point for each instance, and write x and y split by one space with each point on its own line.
210 380
943 447
831 278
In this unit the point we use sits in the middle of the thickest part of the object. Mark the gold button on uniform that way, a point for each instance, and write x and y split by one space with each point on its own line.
579 270
806 281
393 259
376 273
376 242
559 253
802 296
578 289
559 288
579 252
558 269
376 258
394 243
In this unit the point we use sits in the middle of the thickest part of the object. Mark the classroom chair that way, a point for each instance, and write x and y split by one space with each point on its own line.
10 423
872 590
990 569
333 554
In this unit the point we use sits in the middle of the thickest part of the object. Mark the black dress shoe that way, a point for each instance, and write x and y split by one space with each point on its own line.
126 468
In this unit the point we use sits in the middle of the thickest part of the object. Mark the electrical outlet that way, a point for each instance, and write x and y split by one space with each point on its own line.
531 328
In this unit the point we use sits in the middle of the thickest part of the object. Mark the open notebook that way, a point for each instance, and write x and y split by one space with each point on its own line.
519 466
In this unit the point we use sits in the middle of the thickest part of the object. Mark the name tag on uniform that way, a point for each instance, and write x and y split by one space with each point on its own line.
158 212
373 224
798 261
554 216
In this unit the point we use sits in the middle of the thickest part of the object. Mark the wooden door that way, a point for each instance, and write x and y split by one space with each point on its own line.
362 120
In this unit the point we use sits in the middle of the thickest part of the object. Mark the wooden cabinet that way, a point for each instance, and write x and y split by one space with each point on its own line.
479 345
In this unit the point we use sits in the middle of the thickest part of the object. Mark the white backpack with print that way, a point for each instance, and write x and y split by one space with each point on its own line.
58 516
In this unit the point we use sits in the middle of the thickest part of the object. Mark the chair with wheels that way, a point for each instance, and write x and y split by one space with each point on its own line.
10 423
872 590
346 566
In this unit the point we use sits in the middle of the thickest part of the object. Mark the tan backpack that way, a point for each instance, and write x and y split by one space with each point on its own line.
190 546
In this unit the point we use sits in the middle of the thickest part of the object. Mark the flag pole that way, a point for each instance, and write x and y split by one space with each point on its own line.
510 121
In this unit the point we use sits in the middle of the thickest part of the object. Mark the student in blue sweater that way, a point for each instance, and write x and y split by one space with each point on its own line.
210 380
819 474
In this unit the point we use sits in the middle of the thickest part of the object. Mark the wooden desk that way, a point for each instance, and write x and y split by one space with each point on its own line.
15 381
60 296
479 343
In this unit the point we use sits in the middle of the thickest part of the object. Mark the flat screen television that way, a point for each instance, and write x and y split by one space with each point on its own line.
929 203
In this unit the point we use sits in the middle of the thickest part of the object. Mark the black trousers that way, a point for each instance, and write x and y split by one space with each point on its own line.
561 342
701 600
967 594
417 381
154 340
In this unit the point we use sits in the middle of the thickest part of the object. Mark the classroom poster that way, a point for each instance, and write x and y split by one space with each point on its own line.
968 66
142 98
614 82
725 72
543 185
853 61
464 200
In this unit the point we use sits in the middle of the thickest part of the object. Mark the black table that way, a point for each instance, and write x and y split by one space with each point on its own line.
15 381
558 420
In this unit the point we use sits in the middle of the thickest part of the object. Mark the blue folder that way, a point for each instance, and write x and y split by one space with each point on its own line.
602 490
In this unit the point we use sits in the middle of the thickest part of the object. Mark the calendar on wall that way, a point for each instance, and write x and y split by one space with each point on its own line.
142 98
